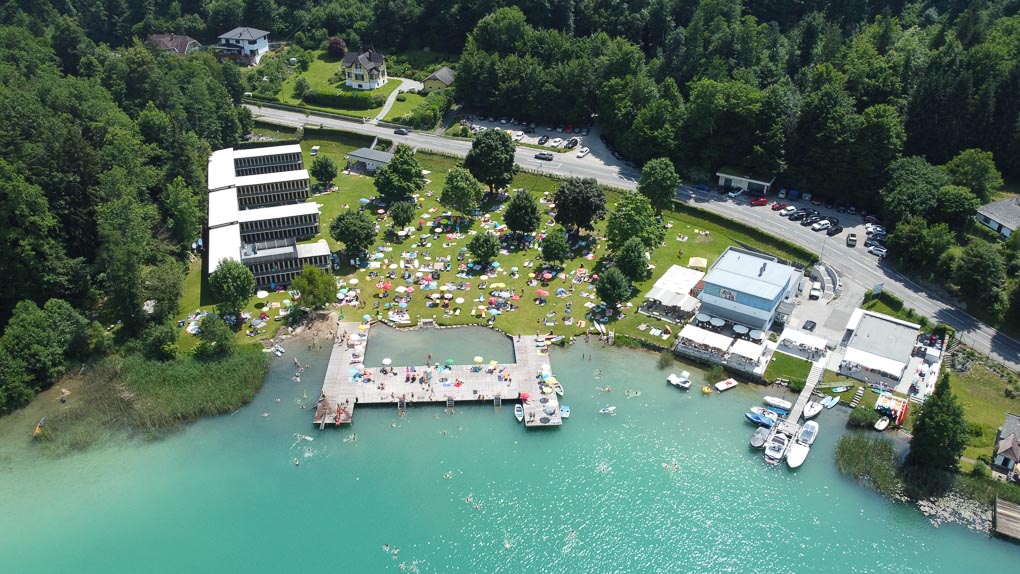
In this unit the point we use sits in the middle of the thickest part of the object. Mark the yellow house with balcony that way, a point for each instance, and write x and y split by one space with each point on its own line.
365 71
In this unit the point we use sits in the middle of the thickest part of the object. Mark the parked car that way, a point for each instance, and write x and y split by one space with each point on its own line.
821 224
556 142
810 220
544 156
778 206
701 187
851 240
788 210
315 150
852 210
870 219
519 136
761 200
782 193
816 201
810 325
529 130
878 250
829 204
542 140
572 143
872 242
583 152
836 229
798 215
735 193
874 229
816 290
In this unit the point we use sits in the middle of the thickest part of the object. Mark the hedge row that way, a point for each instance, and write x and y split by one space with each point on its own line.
345 100
428 114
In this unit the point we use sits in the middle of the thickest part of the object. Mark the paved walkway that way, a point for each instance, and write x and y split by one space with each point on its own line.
405 85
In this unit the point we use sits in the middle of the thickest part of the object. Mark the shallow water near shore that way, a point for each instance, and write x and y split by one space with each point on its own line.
468 492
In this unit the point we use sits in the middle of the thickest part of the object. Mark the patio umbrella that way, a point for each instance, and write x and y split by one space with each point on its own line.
353 280
387 361
262 294
717 322
478 360
483 277
381 211
448 295
366 317
458 300
449 362
402 305
435 295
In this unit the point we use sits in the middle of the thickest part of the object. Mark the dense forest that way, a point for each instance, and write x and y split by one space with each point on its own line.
907 108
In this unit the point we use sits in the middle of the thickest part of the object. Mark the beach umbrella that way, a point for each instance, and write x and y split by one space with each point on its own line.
387 361
493 312
419 274
449 362
458 300
363 201
353 281
495 263
524 397
400 289
448 295
531 275
435 295
402 305
483 277
362 327
547 275
380 211
262 294
438 230
463 249
393 265
478 360
513 270
387 285
366 317
515 298
493 362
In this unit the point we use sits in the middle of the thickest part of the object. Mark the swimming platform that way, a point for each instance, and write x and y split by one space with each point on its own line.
348 383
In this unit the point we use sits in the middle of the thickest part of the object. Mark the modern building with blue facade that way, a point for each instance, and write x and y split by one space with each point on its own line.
747 288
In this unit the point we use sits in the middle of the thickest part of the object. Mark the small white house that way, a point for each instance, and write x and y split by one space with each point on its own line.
365 71
1001 216
243 45
744 179
373 159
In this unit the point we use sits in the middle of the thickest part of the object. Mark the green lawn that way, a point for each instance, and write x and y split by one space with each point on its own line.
983 396
401 108
319 73
787 367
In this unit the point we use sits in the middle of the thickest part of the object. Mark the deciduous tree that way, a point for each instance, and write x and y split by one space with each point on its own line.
317 287
484 247
633 216
580 203
491 159
555 248
355 229
232 285
324 170
401 178
613 287
215 339
461 192
658 183
630 259
975 170
402 213
522 213
337 47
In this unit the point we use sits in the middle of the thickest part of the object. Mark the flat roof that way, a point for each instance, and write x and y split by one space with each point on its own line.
221 169
874 362
276 177
223 207
675 285
319 247
884 336
799 337
224 243
371 155
748 272
278 211
705 337
265 151
742 173
747 349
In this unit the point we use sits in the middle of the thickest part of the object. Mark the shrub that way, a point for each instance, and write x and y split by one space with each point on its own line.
797 385
862 418
980 469
401 97
344 100
427 115
984 458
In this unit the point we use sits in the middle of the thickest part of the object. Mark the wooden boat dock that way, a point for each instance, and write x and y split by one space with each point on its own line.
348 383
1006 521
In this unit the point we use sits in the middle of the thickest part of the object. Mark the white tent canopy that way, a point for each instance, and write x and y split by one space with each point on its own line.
674 287
703 337
747 349
798 337
875 362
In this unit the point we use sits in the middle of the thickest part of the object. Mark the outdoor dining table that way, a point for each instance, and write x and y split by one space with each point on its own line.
702 318
717 322
756 335
740 329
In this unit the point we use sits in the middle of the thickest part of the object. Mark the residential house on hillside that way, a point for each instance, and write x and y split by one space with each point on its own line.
1001 216
1007 446
243 45
439 80
365 71
175 43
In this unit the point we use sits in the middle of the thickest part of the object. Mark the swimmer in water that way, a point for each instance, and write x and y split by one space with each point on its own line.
277 399
403 565
506 544
265 414
297 462
448 475
572 535
468 499
395 552
386 547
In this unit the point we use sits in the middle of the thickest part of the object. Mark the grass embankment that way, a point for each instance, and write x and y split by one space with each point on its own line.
986 399
140 396
783 366
401 108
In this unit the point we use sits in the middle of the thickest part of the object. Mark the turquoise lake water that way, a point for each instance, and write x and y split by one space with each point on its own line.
592 496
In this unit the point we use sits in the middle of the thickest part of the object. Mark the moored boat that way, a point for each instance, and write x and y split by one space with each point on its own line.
830 402
808 433
519 413
882 424
706 390
760 420
777 402
725 385
775 448
558 388
796 454
607 410
767 413
759 437
837 390
564 412
678 382
811 409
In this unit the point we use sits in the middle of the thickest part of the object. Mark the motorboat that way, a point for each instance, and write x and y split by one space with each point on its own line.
830 402
808 433
775 448
519 413
811 409
796 454
767 413
837 390
760 420
706 390
882 424
725 385
607 410
564 412
678 382
777 402
761 434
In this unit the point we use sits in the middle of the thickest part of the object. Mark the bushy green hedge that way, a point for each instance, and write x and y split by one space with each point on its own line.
345 100
428 114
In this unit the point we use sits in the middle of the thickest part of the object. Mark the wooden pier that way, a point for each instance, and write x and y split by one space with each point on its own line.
348 383
1006 520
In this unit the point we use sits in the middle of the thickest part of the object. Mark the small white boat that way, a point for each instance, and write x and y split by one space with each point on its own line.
796 454
761 434
808 434
761 411
775 448
519 413
811 409
564 412
882 424
607 410
777 402
558 389
725 385
678 382
830 402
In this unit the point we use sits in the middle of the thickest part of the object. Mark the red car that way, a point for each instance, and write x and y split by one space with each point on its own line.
760 201
777 206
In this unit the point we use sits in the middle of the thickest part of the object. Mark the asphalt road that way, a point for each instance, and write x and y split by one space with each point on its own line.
853 264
